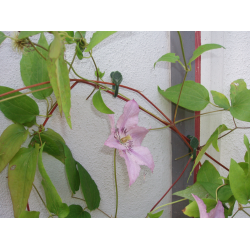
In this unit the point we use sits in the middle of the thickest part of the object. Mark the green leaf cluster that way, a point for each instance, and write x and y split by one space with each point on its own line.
208 187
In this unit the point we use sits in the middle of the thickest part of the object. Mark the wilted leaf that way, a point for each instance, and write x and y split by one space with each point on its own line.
59 79
22 169
10 142
220 100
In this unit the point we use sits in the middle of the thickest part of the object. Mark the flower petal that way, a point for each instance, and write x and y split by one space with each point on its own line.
142 156
132 167
217 212
138 133
112 123
202 207
129 118
113 143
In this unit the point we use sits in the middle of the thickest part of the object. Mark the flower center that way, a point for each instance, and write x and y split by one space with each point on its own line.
125 139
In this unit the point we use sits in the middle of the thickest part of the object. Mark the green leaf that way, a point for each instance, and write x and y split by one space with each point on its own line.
68 40
203 48
76 211
212 140
56 46
240 106
25 34
236 87
10 142
63 210
99 103
239 183
100 74
225 193
80 34
79 52
231 203
169 57
246 142
194 96
192 209
208 173
22 169
72 172
34 70
53 144
59 79
53 200
156 215
195 189
220 100
21 109
244 166
29 214
246 157
2 37
97 37
89 188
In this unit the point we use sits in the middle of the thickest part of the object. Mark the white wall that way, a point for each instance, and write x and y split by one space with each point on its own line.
219 68
133 54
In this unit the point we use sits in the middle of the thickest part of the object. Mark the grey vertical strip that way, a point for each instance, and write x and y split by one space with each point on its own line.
179 148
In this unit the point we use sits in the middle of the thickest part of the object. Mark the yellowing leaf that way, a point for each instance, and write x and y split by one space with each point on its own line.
22 169
59 80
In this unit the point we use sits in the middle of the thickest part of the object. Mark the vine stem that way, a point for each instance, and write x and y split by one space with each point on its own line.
168 204
186 69
41 198
28 87
116 189
216 161
171 186
36 49
28 207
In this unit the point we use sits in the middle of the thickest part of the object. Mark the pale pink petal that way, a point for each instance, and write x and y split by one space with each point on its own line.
113 143
202 207
138 134
142 156
129 118
112 123
217 212
132 167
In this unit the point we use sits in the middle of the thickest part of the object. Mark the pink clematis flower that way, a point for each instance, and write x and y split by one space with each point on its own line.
217 212
127 138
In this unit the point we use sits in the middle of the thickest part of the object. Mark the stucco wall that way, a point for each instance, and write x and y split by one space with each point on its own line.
133 54
219 68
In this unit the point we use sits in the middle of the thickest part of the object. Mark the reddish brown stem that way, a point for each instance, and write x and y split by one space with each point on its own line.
173 127
28 207
28 87
216 161
51 112
171 186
